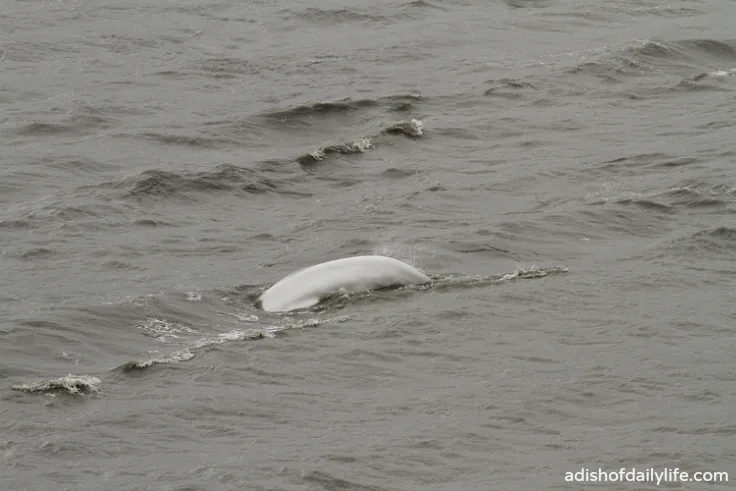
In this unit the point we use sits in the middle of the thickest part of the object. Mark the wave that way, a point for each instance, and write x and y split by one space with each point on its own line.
37 51
697 194
721 240
398 173
188 141
692 193
358 146
36 253
717 74
187 342
175 357
329 482
76 165
68 212
334 16
647 205
716 245
645 162
439 282
412 129
225 178
100 207
189 338
304 113
509 88
669 11
656 61
527 4
70 384
163 330
149 222
226 67
308 111
83 120
723 50
15 224
532 272
236 335
119 44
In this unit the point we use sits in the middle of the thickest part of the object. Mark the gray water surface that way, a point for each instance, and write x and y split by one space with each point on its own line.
565 170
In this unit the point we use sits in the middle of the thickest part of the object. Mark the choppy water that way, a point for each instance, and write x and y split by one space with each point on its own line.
162 162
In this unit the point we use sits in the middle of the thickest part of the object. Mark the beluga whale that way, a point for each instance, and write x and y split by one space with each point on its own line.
309 286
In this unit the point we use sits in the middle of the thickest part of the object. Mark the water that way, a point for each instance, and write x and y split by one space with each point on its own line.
163 162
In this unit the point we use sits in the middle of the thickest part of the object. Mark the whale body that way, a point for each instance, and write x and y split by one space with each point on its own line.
307 287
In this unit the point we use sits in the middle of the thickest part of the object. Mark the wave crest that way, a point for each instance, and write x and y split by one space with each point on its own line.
70 384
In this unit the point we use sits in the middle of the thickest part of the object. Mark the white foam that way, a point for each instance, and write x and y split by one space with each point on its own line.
71 384
194 296
723 73
244 317
175 357
532 272
318 154
163 330
417 128
362 145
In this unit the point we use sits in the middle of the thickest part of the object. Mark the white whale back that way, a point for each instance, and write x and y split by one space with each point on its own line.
307 287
